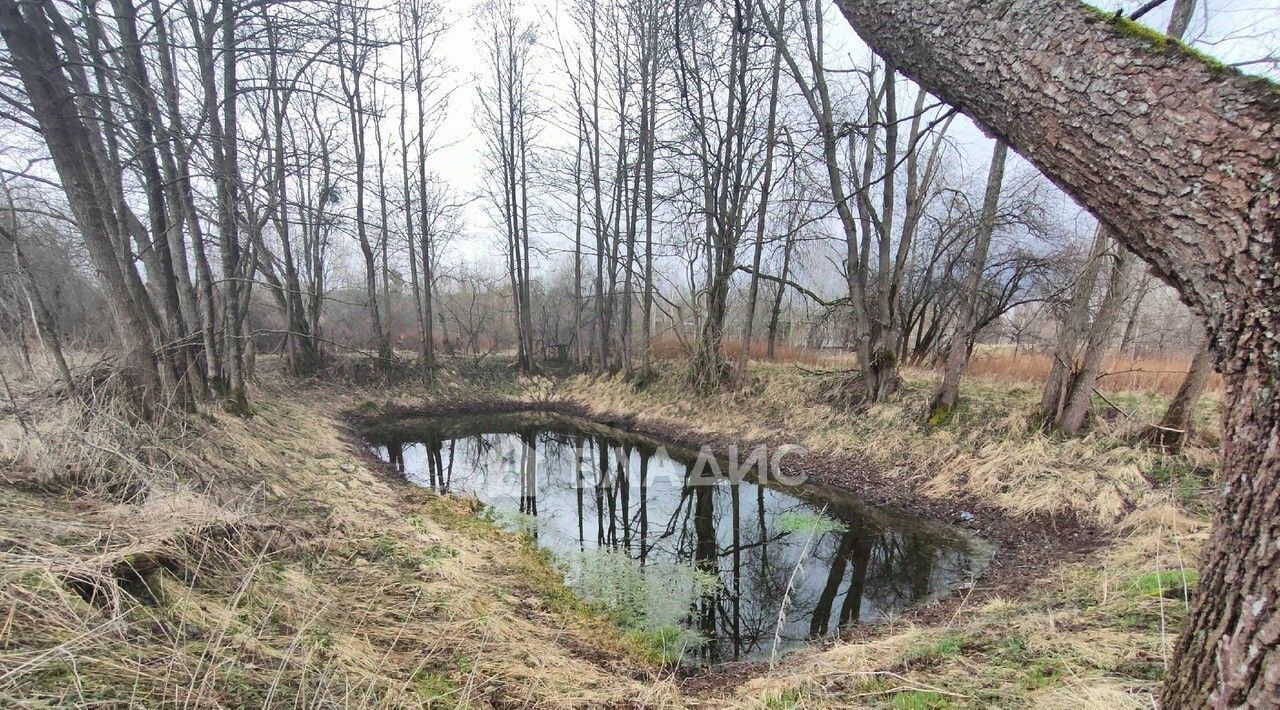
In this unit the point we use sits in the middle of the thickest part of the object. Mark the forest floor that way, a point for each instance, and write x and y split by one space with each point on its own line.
220 561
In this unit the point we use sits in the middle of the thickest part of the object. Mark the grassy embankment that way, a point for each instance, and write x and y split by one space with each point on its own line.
220 561
228 562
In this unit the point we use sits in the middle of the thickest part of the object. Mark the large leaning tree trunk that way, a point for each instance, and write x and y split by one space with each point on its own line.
1179 158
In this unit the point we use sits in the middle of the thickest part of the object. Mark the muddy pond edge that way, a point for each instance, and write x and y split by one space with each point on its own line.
1022 548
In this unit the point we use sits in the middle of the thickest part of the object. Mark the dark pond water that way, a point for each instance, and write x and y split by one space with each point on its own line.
736 569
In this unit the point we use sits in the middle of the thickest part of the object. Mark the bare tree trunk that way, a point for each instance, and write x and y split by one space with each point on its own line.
633 211
407 193
167 148
384 237
1029 72
1129 335
650 152
880 369
1175 425
526 297
579 354
34 56
1079 394
228 169
203 292
45 325
1072 330
426 235
601 229
144 115
776 311
766 185
352 55
962 341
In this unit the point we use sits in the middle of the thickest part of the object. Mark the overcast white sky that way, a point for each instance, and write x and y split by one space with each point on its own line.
1232 30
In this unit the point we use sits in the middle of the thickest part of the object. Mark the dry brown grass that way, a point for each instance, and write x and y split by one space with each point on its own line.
994 449
1120 373
261 562
672 349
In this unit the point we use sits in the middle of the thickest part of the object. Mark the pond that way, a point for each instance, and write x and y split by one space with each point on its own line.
715 564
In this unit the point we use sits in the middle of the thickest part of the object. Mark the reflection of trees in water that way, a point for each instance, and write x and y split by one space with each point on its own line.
852 554
707 561
723 531
395 455
439 475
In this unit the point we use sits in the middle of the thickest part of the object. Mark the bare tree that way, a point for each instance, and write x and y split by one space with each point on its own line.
355 51
68 133
506 101
874 293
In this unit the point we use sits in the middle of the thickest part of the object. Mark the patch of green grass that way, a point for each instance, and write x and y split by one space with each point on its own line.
811 523
944 646
1188 483
1012 648
513 521
541 574
1040 674
869 685
394 552
1173 584
437 689
455 516
783 700
321 637
666 645
920 700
